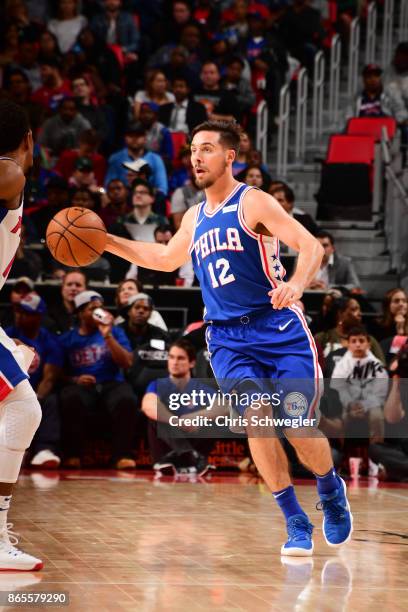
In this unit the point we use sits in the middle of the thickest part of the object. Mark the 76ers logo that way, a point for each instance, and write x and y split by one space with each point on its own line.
295 404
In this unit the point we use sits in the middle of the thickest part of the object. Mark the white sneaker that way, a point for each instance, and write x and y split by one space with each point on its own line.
45 459
11 558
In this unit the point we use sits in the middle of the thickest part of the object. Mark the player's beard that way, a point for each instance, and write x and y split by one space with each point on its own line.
208 181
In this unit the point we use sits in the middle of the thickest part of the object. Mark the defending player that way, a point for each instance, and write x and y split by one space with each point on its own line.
233 238
20 412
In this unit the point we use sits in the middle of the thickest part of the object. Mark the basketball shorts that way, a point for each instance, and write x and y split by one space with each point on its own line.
271 352
12 365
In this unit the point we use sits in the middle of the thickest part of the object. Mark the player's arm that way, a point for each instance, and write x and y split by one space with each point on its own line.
12 181
155 256
261 209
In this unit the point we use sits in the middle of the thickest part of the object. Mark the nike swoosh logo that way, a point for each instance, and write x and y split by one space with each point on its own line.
283 327
200 222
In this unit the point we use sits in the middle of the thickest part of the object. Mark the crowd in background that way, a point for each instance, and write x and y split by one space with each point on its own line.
112 89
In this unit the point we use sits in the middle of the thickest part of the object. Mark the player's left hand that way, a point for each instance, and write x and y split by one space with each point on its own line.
286 294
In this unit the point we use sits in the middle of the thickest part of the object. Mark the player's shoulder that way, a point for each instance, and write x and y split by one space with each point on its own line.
12 182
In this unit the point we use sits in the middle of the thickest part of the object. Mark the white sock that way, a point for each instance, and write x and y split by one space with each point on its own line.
4 506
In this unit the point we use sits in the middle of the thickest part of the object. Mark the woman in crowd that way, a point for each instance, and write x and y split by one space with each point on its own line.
125 290
67 25
156 90
255 176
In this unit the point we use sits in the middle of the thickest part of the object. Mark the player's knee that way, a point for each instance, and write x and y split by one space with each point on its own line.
21 417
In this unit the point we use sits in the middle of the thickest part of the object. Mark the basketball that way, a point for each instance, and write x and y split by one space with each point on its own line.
76 236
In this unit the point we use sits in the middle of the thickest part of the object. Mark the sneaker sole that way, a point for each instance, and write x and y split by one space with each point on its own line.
351 521
37 566
52 464
296 552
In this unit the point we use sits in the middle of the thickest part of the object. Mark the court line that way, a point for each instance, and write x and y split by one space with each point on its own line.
212 584
404 497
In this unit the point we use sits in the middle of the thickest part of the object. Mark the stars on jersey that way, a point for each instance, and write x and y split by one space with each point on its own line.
213 241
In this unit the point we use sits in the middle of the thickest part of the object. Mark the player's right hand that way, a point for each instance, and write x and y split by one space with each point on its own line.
285 294
87 380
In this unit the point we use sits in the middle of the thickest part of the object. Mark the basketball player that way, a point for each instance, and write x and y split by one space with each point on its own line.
256 331
20 412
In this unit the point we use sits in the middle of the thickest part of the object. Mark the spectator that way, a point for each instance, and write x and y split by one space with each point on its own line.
286 198
10 46
235 17
219 103
117 27
54 87
68 24
255 176
158 138
170 28
183 276
176 67
93 51
135 139
149 343
57 198
44 372
84 176
394 319
117 204
373 101
62 131
85 198
18 88
88 142
62 312
48 46
28 62
393 452
301 29
96 353
22 286
362 383
184 198
246 154
183 114
347 314
183 175
156 91
155 404
26 261
234 81
87 105
396 82
335 269
126 290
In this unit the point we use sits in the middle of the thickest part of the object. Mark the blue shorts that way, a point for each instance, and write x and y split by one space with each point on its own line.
273 352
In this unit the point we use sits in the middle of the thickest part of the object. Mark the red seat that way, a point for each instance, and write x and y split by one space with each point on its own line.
372 126
350 149
179 140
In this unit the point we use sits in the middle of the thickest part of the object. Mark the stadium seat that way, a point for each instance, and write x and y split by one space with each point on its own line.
179 139
371 126
350 149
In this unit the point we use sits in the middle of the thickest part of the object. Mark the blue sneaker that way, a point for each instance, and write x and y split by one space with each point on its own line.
299 542
338 520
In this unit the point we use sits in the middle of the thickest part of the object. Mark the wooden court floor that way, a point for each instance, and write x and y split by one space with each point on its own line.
116 541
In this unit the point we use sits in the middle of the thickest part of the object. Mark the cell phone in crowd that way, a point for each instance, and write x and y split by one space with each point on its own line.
102 316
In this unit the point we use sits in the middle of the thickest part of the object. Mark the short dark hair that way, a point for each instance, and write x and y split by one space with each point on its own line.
357 330
14 126
186 346
140 181
325 234
163 228
229 131
235 59
288 192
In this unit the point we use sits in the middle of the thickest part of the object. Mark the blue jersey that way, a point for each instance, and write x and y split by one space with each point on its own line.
236 267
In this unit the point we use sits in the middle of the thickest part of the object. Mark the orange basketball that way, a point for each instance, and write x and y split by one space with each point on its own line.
76 236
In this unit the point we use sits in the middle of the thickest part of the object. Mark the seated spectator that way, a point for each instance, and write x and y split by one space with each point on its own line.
57 198
85 198
94 51
62 311
184 174
361 381
135 150
83 176
96 354
182 277
22 286
149 343
44 372
125 291
246 155
255 176
234 81
48 46
396 84
117 27
155 403
27 262
88 142
373 101
117 204
335 269
393 452
62 131
17 86
184 198
68 24
346 312
302 30
87 105
10 46
170 27
28 62
183 114
394 318
286 198
54 87
158 138
219 103
156 90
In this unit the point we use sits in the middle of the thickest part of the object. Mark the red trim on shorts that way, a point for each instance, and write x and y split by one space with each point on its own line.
5 389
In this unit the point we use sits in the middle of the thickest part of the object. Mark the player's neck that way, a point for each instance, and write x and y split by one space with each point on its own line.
219 191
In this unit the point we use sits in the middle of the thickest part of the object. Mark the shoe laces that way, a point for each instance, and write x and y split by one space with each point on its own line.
297 529
332 508
8 538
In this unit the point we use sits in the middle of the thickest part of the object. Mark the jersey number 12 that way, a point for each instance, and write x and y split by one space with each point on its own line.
223 277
